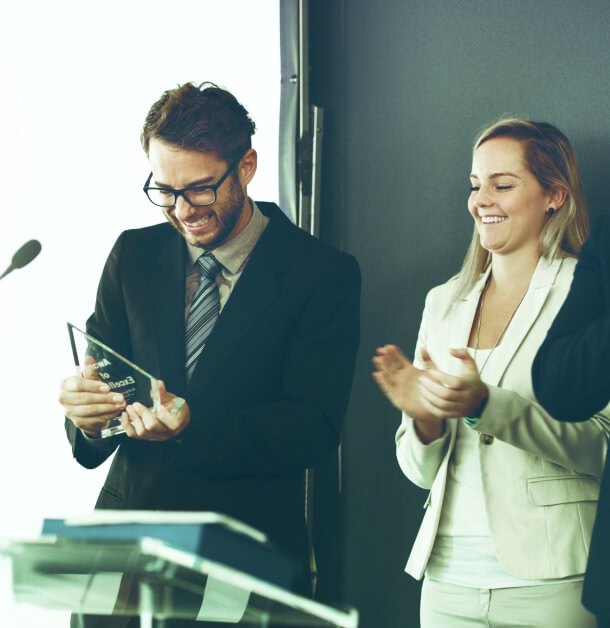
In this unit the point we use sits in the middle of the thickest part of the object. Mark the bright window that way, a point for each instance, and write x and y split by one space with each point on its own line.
77 81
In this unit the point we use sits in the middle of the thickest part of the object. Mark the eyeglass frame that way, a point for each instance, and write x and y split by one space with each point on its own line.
183 191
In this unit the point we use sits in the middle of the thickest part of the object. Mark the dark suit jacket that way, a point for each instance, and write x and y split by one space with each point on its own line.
571 376
268 395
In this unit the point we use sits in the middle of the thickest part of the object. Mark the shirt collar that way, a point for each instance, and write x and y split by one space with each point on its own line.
235 252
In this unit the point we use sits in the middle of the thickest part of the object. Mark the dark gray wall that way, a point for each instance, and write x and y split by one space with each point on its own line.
406 84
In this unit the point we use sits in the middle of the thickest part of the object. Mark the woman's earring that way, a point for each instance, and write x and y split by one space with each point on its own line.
550 211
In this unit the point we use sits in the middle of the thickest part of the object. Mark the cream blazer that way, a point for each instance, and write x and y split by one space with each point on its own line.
540 476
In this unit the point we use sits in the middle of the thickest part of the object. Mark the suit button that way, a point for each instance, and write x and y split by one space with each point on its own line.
487 439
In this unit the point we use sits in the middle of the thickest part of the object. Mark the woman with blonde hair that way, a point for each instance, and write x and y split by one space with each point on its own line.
513 493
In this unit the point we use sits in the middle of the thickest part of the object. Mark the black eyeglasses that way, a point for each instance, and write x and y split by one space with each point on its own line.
197 196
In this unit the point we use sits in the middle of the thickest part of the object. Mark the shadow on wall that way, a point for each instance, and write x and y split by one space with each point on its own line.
594 161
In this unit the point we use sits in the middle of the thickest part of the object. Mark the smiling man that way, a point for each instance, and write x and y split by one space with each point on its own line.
253 322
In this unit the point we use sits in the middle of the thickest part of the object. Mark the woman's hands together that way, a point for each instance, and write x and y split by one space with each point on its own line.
429 394
449 396
400 382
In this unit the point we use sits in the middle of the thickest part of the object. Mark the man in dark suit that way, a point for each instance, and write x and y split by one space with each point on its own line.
570 377
265 370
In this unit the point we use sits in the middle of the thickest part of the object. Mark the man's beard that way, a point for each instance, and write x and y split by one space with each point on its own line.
230 215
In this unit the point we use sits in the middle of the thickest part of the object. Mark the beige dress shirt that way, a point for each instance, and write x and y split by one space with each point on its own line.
233 255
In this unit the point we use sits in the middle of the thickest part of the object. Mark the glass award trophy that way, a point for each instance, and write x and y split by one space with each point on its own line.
95 360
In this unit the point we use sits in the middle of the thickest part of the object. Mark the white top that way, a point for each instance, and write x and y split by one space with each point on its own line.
463 552
463 512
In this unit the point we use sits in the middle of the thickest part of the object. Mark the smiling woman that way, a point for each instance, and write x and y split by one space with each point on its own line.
546 161
505 520
505 198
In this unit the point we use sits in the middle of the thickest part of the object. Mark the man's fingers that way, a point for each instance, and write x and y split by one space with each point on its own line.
91 424
91 406
88 403
163 394
136 421
90 370
146 424
84 397
97 410
170 420
127 425
149 420
80 384
158 424
175 415
88 398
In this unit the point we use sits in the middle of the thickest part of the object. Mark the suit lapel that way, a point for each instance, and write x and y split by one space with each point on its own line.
526 315
165 303
256 290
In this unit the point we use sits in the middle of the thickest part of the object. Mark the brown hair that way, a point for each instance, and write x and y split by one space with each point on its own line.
549 156
201 117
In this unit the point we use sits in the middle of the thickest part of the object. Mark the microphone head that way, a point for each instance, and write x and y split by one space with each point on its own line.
26 254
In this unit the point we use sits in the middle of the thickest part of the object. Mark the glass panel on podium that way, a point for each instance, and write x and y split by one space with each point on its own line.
151 579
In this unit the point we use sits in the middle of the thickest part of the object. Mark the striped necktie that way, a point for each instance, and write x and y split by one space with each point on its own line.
204 311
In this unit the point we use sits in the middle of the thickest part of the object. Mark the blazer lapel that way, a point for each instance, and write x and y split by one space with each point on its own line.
523 319
256 290
166 307
461 319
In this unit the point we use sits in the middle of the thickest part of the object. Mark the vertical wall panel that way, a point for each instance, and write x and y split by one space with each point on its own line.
406 84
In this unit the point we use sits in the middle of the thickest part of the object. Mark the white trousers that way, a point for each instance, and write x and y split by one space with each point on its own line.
540 606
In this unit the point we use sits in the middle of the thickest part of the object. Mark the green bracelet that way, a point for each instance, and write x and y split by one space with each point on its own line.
473 420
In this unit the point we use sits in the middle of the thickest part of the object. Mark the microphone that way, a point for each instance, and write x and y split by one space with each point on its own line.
23 256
